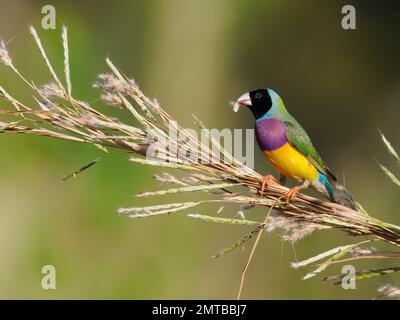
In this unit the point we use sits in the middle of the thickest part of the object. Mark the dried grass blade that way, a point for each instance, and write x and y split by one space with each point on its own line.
340 252
362 275
222 220
188 189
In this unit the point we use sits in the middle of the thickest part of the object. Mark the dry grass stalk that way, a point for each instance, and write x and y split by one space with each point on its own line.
59 115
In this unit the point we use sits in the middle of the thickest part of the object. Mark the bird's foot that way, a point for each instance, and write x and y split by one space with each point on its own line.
291 194
294 191
266 181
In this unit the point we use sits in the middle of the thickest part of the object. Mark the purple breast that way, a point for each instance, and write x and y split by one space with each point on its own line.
270 134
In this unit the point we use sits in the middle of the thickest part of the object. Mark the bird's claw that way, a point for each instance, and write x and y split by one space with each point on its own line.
294 191
291 194
266 181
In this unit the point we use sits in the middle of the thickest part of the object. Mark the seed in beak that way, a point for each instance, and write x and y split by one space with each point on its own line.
244 100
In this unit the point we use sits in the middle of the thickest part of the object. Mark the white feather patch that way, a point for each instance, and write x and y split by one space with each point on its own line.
236 106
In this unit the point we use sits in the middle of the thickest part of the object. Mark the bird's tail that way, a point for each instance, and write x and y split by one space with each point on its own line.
339 194
344 197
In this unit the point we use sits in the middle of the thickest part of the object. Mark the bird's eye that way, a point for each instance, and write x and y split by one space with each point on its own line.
258 95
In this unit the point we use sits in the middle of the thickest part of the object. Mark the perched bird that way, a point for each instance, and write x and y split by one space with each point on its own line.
289 149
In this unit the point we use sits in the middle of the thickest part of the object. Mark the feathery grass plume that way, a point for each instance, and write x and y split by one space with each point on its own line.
394 153
389 291
58 114
4 56
389 147
64 37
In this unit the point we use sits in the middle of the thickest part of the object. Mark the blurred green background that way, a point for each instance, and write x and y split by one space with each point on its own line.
195 57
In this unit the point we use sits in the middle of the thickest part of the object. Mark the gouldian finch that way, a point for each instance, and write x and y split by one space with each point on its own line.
289 149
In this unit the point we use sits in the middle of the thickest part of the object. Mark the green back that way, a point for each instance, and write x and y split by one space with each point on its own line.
298 138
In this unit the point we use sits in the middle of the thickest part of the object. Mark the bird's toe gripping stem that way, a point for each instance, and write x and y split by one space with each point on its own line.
266 181
294 191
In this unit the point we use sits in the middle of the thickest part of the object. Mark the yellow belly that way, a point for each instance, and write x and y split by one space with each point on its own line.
291 163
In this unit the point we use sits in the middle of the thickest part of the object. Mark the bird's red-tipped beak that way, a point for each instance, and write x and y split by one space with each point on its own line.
244 100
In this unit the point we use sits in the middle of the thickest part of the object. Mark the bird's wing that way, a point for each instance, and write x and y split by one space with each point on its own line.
298 138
